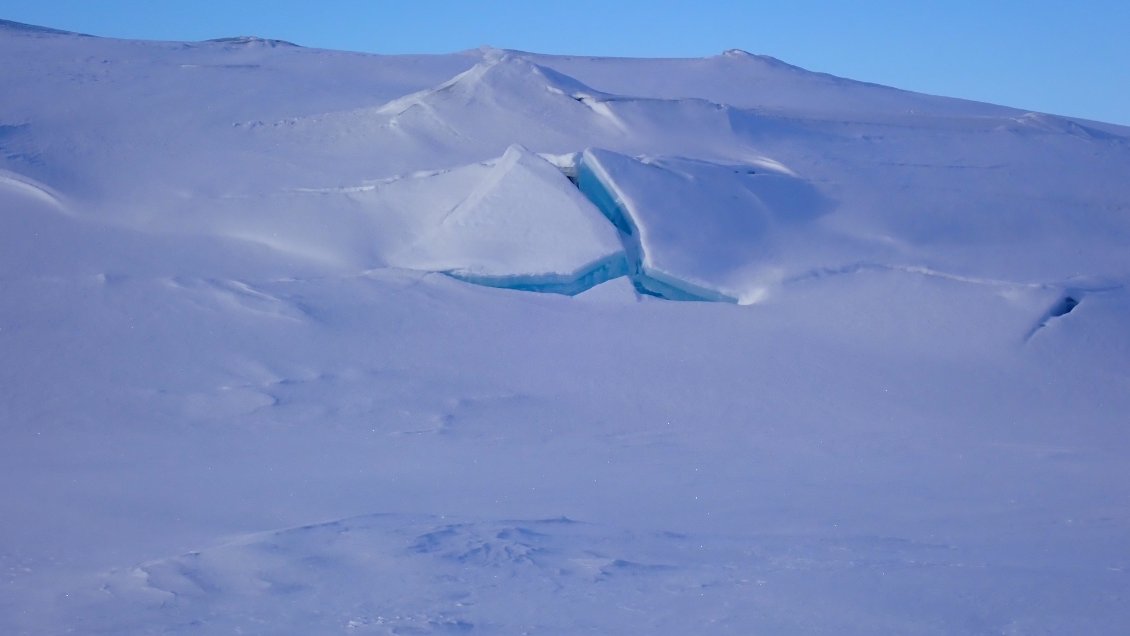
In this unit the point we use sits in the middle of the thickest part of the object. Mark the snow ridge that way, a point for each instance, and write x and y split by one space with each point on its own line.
31 29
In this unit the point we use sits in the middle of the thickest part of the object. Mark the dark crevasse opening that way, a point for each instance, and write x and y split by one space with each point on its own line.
609 205
628 262
1063 307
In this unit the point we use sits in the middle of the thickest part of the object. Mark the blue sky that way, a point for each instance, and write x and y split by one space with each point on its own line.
1064 58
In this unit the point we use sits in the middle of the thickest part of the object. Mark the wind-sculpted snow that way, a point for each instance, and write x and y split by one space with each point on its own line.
246 303
396 574
15 187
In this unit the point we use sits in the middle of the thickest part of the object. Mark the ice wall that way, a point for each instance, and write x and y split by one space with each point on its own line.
599 189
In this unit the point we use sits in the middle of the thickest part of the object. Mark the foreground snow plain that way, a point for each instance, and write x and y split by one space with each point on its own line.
298 341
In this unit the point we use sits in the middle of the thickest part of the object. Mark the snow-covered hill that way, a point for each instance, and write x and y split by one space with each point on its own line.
298 341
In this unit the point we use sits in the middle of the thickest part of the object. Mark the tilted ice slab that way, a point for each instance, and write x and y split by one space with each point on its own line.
522 226
695 230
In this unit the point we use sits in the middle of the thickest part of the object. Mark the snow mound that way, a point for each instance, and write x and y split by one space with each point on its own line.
487 82
523 225
542 105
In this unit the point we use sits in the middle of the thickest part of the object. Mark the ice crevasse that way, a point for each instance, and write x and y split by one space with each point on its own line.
679 229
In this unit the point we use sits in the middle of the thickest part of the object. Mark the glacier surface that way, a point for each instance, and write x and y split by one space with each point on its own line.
270 360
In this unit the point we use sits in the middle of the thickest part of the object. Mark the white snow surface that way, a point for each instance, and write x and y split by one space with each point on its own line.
277 356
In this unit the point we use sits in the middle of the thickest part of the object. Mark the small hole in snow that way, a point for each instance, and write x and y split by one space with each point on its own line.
1064 307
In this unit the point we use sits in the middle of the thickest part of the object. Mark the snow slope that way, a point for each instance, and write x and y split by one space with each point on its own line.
277 356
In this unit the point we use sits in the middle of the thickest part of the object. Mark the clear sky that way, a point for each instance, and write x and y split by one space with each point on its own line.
1052 56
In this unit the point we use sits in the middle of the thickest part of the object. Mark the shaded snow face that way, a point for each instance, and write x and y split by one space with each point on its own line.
277 356
695 230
